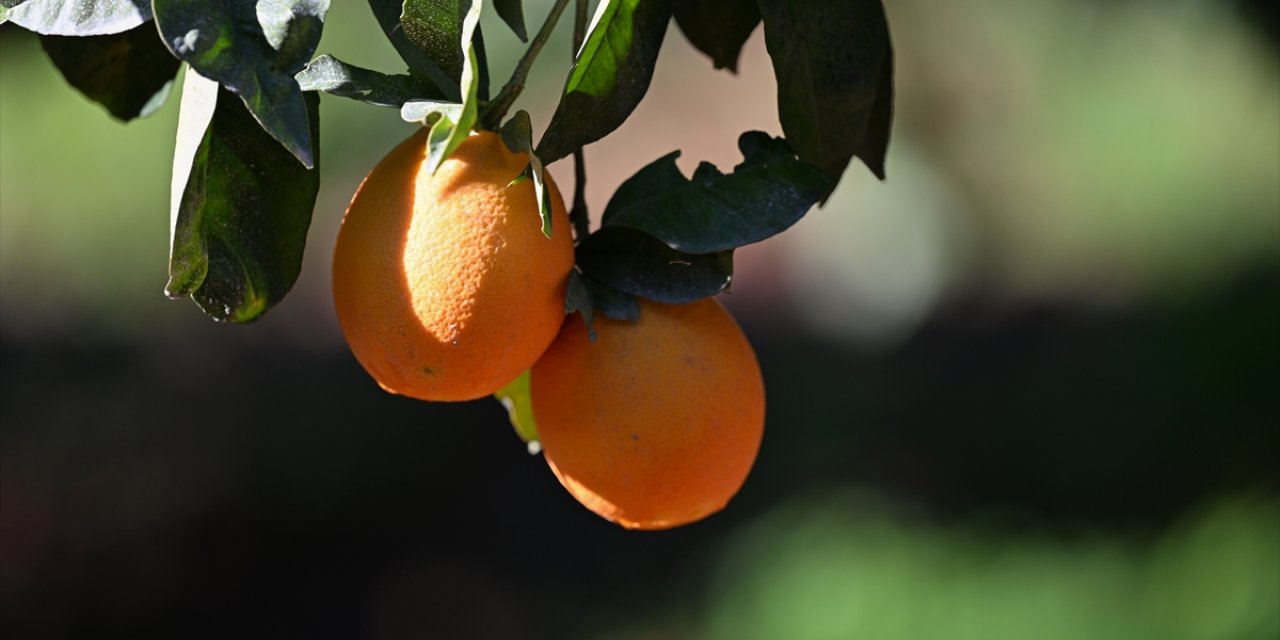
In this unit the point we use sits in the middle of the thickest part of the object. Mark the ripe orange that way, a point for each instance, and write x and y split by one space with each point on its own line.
444 285
656 423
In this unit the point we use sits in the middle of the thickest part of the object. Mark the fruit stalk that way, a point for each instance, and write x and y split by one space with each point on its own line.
502 102
581 221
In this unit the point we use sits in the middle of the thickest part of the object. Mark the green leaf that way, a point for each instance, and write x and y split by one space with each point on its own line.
482 62
766 194
541 192
439 142
577 299
637 263
254 54
129 73
718 28
834 65
240 206
610 75
517 134
334 76
512 13
452 123
518 400
428 112
76 17
436 28
292 28
420 65
610 302
589 297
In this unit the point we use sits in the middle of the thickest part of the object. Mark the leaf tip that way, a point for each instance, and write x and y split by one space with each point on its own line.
878 171
175 290
728 65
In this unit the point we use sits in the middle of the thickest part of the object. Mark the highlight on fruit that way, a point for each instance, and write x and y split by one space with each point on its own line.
444 284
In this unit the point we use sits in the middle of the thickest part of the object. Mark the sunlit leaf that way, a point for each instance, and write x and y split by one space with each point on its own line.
435 28
454 125
517 134
331 75
420 65
428 112
517 399
241 206
76 17
610 75
443 30
253 52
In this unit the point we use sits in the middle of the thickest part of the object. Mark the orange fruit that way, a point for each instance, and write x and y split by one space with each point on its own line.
444 285
656 423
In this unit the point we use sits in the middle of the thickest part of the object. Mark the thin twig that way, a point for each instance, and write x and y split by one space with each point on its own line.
502 102
581 219
578 214
579 26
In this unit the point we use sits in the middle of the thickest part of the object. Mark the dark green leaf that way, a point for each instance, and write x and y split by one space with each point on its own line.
767 193
609 77
453 123
253 53
76 17
421 66
435 27
876 142
241 206
517 134
834 64
334 76
129 73
718 28
637 263
611 303
577 299
589 297
512 13
482 63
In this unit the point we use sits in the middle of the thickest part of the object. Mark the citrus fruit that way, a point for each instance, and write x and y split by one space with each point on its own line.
656 423
445 287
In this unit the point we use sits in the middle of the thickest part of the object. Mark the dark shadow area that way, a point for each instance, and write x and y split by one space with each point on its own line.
305 502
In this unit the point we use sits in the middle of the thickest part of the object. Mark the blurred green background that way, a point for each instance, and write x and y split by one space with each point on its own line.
1026 388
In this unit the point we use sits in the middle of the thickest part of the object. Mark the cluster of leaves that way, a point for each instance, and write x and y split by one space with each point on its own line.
246 165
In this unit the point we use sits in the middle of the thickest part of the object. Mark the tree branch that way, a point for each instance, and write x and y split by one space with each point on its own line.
497 109
581 219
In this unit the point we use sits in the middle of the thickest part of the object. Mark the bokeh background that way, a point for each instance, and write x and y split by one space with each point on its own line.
1026 388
